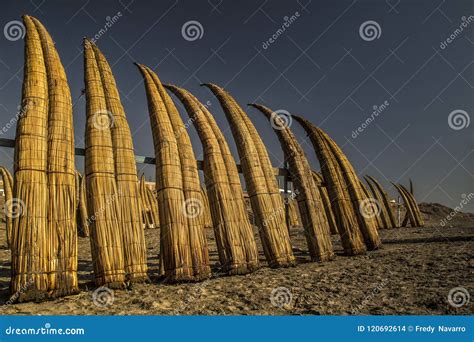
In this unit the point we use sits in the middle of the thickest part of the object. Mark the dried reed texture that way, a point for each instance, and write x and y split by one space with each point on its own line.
61 172
83 221
318 178
44 237
408 206
382 194
367 223
30 237
384 216
144 205
405 219
207 209
153 203
184 248
262 187
234 236
101 189
371 206
294 213
413 211
346 220
312 212
133 236
8 209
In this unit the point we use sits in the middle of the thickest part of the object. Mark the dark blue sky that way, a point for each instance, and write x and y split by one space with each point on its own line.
320 67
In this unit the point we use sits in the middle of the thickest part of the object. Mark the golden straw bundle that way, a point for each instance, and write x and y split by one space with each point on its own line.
308 196
101 189
384 218
8 193
318 179
83 217
44 236
385 200
267 204
184 248
133 243
367 223
347 224
234 236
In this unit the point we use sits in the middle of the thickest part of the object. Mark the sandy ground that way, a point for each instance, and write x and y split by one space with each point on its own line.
412 274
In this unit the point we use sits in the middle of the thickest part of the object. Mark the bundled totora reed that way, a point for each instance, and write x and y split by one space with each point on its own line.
133 237
234 236
308 196
145 206
347 223
267 204
44 236
8 203
183 244
318 179
384 218
385 200
83 217
101 188
413 211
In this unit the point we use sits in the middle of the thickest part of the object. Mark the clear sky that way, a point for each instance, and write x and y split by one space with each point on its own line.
323 65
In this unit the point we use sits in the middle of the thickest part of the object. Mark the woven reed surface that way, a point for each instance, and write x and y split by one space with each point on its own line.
144 205
412 208
207 208
347 224
8 193
312 212
384 217
414 205
44 237
184 249
262 187
82 209
367 223
372 205
234 237
125 175
101 189
318 179
385 200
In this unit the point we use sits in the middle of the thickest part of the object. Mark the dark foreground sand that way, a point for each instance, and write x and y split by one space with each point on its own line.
412 274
